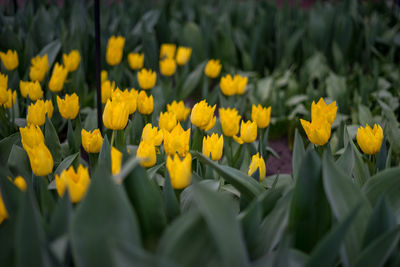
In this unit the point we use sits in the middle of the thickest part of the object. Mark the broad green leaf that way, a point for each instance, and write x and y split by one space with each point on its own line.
192 81
298 153
51 50
66 163
61 219
346 160
18 162
52 141
105 156
192 37
6 145
186 196
171 204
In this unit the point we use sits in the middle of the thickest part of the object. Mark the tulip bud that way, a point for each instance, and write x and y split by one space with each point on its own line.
128 97
12 96
104 76
115 49
167 121
20 182
370 139
72 60
135 60
106 90
227 85
36 113
318 130
167 51
3 95
177 141
146 79
24 88
9 59
35 91
261 115
77 183
146 152
150 133
248 131
41 159
178 108
39 68
180 171
145 103
230 120
213 68
48 105
167 66
58 78
240 84
183 55
257 162
3 210
3 81
69 106
115 115
92 140
321 109
116 161
203 115
31 136
213 146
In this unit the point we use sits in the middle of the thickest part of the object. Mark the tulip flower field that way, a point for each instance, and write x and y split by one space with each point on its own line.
148 141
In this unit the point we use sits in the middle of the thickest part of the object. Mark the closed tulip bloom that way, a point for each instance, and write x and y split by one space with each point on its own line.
318 130
177 141
58 78
146 152
151 133
213 146
24 88
107 88
104 76
92 140
31 136
35 91
41 159
20 182
39 68
48 105
180 171
3 81
167 51
3 210
261 115
145 103
240 83
213 68
146 79
257 162
370 139
227 85
69 106
203 115
115 115
115 49
167 121
9 59
116 161
77 183
230 121
167 66
3 95
72 60
127 96
183 55
136 60
179 109
36 113
321 109
248 131
12 96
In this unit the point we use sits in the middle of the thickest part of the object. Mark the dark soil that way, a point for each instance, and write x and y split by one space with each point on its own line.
284 163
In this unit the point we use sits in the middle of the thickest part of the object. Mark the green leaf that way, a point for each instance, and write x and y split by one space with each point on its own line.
298 152
51 50
192 81
52 141
364 115
346 160
66 163
61 219
18 162
186 196
193 37
105 156
6 145
171 204
360 170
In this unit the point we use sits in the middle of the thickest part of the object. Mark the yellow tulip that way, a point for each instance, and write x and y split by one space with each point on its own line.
321 109
20 182
240 84
167 51
41 159
77 183
227 85
213 68
203 115
167 121
151 133
261 115
12 96
177 141
48 105
9 59
370 139
248 131
104 76
3 210
106 90
3 95
230 120
92 140
58 78
167 66
115 49
146 79
24 88
39 68
146 152
180 171
179 109
127 96
35 91
115 115
183 55
36 113
145 103
69 106
135 60
257 162
3 81
318 130
31 136
72 60
116 161
213 146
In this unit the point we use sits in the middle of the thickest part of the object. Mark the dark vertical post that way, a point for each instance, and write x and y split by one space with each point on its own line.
15 6
98 61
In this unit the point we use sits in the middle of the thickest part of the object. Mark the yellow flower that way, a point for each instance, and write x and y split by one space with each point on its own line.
41 159
36 113
3 81
257 162
167 121
72 60
240 83
230 120
104 76
146 152
261 115
3 95
92 140
24 88
10 59
135 60
48 105
318 130
20 182
31 136
213 68
178 108
145 103
77 183
213 145
115 49
69 106
203 115
146 79
127 96
167 66
12 96
227 85
248 131
35 91
180 171
39 68
183 55
58 78
177 141
151 133
115 115
321 109
106 90
370 139
3 210
167 51
116 161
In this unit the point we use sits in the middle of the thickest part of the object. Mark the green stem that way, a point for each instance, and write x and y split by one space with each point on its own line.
113 137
